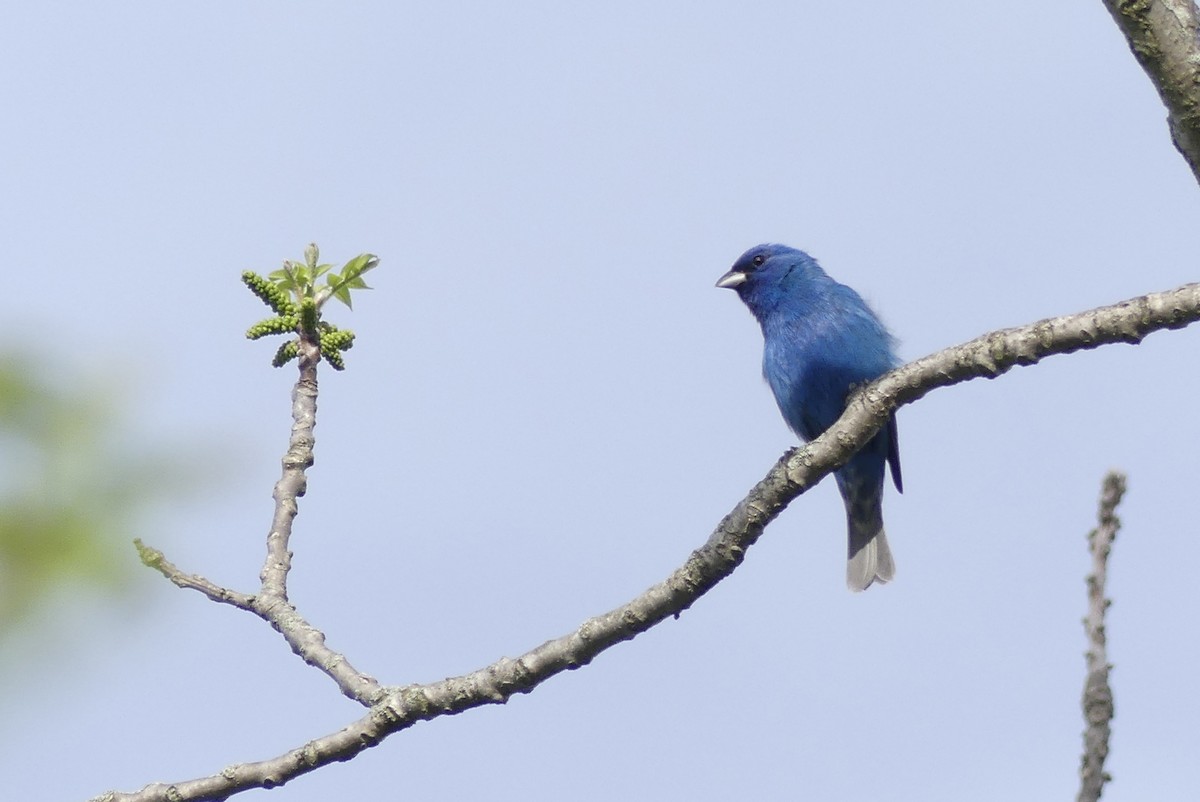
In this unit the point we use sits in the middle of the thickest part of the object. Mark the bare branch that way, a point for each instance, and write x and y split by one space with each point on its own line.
272 604
1097 695
293 483
1163 37
988 356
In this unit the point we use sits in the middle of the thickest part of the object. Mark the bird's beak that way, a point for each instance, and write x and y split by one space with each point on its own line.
731 280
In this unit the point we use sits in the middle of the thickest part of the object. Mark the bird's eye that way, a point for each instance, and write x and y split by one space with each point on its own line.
758 260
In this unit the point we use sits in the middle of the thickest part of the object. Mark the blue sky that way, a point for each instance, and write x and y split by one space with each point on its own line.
549 405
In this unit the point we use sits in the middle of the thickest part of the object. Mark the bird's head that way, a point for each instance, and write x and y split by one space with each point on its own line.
766 273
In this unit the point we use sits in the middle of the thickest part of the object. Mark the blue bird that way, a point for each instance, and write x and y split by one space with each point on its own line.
820 340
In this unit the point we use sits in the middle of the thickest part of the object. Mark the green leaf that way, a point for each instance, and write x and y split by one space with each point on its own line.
343 294
283 279
351 277
360 264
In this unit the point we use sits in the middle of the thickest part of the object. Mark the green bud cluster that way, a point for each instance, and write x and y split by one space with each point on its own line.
308 316
286 353
337 339
269 293
272 325
333 342
333 357
297 296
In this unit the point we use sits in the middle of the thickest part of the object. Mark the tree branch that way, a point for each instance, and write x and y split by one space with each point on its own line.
271 604
988 356
294 482
1163 37
1097 695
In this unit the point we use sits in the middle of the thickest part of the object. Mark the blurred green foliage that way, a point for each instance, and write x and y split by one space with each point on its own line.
72 489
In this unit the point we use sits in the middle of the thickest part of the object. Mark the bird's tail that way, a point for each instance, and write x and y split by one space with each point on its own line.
870 558
871 563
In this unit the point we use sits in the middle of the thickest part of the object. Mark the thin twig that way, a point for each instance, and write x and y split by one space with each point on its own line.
1097 695
154 559
988 356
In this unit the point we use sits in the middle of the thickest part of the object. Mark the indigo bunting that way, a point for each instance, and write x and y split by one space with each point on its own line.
820 340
